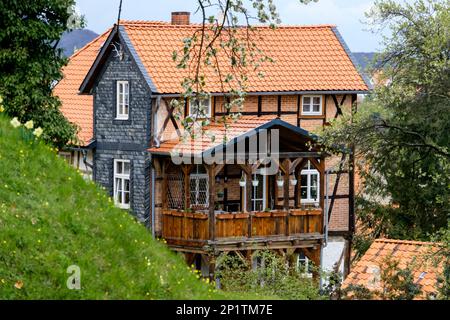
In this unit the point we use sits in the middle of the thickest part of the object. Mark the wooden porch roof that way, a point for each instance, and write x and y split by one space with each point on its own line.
217 136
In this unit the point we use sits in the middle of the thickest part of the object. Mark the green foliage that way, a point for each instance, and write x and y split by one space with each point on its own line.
51 218
401 132
273 277
442 256
30 64
397 283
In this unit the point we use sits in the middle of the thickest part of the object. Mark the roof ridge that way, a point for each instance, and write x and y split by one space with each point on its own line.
191 25
87 45
385 240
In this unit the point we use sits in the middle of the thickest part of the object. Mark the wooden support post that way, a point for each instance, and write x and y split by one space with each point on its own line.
248 188
212 267
212 201
165 199
187 185
286 165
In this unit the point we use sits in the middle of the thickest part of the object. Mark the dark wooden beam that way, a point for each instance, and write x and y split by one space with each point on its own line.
212 201
279 106
335 189
259 105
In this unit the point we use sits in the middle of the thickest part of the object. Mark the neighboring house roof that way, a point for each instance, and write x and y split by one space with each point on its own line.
79 108
216 135
412 254
306 58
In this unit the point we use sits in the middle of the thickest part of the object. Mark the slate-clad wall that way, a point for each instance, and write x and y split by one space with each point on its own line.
118 139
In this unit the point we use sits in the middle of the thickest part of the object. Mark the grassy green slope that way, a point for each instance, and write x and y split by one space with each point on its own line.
50 219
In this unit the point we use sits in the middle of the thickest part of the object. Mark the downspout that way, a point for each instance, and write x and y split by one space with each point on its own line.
155 122
153 202
325 216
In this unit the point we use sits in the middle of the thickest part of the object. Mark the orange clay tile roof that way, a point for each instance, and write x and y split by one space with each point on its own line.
411 254
306 58
204 142
79 108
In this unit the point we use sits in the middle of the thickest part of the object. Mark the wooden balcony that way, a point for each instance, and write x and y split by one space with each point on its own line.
296 228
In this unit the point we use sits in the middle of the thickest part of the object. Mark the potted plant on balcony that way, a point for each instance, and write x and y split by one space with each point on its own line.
293 181
280 181
242 181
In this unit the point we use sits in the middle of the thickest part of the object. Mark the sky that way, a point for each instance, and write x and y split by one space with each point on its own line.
347 15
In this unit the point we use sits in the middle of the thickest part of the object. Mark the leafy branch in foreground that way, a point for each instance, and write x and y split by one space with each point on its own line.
219 56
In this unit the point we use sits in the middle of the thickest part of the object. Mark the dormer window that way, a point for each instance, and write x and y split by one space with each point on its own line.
312 105
123 100
200 108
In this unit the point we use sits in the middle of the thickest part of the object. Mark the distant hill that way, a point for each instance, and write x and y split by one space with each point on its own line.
364 59
75 40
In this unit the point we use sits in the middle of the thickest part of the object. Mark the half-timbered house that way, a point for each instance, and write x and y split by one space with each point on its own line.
122 84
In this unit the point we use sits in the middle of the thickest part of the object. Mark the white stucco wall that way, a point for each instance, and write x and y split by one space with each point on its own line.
331 254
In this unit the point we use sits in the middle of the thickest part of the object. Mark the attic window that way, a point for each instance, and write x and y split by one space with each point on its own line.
200 108
312 105
123 100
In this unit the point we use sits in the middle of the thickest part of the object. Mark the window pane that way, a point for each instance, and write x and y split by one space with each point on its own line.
304 193
304 180
126 168
119 167
307 100
127 198
314 180
127 185
316 108
316 100
314 193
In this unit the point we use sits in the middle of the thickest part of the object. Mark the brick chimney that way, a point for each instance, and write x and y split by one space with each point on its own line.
180 17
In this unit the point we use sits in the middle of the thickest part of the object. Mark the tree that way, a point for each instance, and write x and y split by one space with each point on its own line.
401 133
30 63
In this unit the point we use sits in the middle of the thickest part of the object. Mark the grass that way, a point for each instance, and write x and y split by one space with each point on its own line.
51 218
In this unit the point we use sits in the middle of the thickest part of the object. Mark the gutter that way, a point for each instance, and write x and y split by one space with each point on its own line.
280 93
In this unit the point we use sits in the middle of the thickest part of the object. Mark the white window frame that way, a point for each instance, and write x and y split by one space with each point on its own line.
120 105
254 200
311 112
66 156
309 172
123 177
305 261
197 177
207 115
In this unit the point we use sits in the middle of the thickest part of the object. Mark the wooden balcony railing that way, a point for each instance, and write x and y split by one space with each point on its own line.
192 229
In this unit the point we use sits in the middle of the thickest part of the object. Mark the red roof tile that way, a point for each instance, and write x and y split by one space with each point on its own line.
211 136
306 58
79 108
412 254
